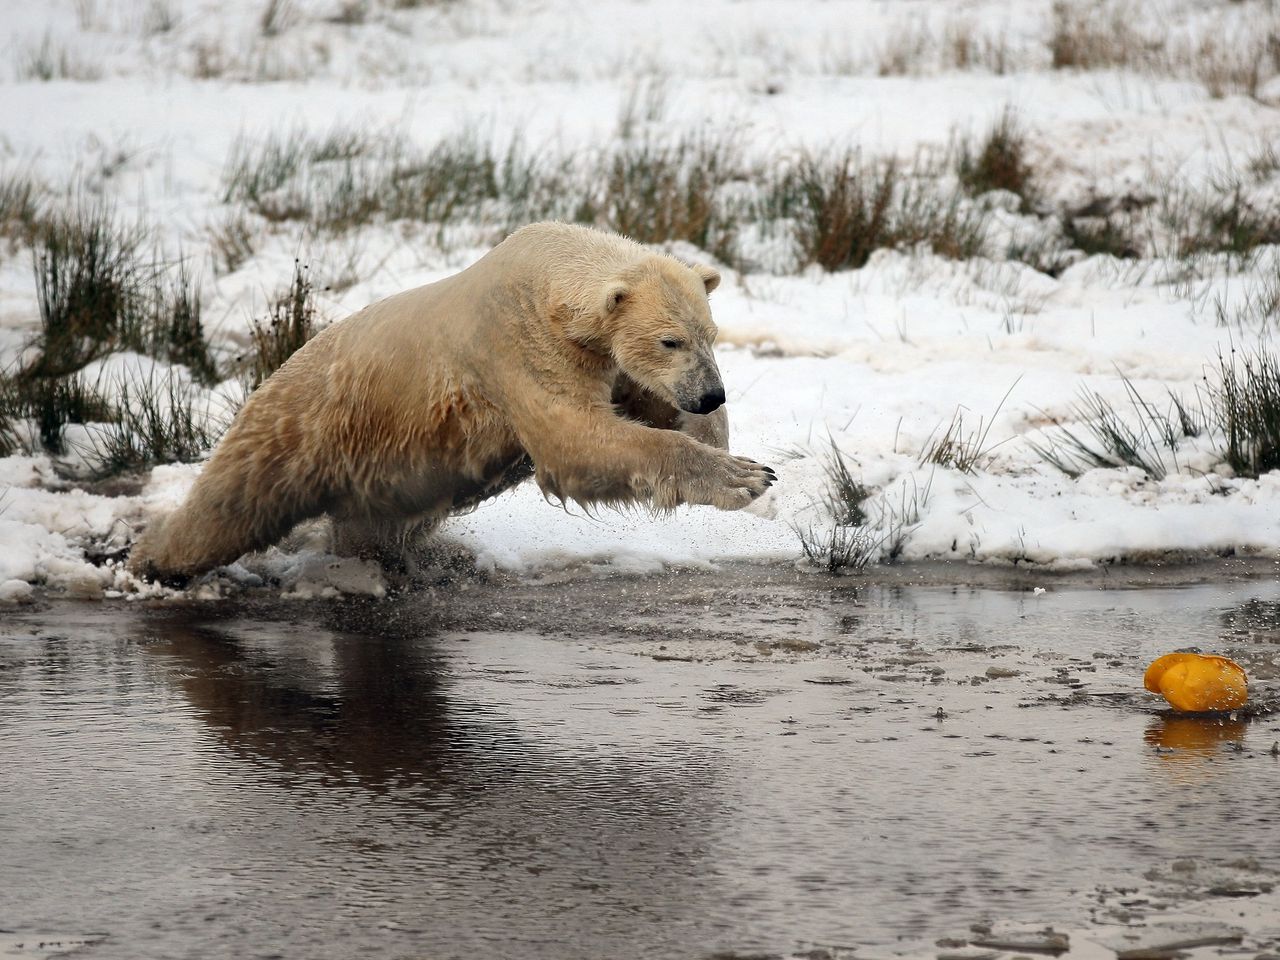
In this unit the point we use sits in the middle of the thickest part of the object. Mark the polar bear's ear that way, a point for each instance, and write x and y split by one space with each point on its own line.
710 276
615 294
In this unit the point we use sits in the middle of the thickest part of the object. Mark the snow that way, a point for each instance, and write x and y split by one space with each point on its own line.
877 360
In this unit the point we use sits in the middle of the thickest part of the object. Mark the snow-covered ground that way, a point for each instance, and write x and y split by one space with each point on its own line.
150 99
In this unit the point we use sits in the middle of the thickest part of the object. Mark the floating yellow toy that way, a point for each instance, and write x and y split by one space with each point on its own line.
1195 683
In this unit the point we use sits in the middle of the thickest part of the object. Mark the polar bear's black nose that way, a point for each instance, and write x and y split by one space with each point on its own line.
711 400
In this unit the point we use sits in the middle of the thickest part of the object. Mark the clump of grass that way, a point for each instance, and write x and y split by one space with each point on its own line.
155 421
845 494
999 162
903 49
231 242
846 543
1246 401
344 178
177 333
150 421
456 179
290 324
964 450
1239 62
10 437
966 49
55 402
845 208
1244 405
89 288
96 294
49 61
276 17
1110 235
1237 56
838 549
655 192
159 17
899 521
19 205
1226 221
1107 438
1258 307
652 191
1091 36
256 169
913 47
209 60
48 404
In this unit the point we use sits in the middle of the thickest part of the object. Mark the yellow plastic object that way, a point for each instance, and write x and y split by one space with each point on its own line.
1195 683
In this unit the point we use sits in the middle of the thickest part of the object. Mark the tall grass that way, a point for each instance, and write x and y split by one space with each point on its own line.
1235 53
844 543
966 450
52 61
20 205
154 421
999 161
290 323
655 191
1258 308
10 433
697 188
1107 437
90 288
833 209
98 292
1246 401
176 331
844 208
1239 413
100 288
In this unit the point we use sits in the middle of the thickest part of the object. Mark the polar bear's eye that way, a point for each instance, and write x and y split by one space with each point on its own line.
672 343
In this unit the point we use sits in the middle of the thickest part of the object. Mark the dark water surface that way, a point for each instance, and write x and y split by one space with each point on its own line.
666 767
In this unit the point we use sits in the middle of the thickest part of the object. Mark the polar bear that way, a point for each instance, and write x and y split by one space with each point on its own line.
566 353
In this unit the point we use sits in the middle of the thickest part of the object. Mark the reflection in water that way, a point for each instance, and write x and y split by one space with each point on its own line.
458 802
365 710
398 779
1190 748
1204 736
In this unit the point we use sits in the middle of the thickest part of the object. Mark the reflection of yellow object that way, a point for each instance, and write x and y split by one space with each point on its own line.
1193 682
1201 735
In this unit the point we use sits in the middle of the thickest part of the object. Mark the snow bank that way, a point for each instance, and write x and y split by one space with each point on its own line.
877 361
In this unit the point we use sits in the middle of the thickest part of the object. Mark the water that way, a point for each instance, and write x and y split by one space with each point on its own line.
668 767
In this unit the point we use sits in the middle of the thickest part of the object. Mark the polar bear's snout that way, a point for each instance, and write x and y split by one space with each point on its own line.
710 401
701 390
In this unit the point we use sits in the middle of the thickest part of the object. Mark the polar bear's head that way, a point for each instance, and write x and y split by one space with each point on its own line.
660 332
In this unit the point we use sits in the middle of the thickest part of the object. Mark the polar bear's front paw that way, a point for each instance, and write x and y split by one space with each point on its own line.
739 481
